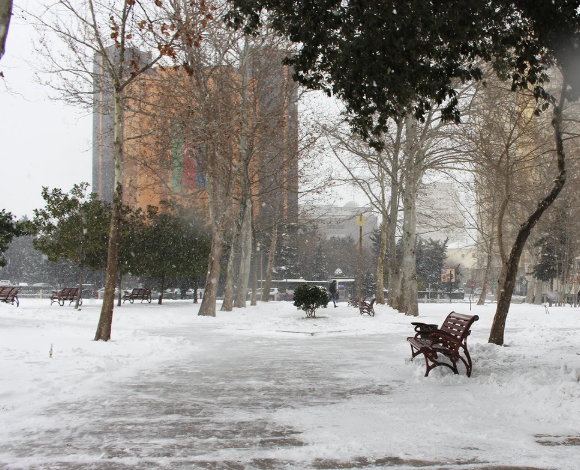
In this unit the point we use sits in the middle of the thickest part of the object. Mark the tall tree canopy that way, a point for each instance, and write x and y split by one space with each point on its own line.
386 58
9 229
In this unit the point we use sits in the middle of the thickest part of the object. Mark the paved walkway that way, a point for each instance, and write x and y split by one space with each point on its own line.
212 412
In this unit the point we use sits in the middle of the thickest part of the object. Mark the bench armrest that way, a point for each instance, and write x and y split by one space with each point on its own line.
424 330
430 326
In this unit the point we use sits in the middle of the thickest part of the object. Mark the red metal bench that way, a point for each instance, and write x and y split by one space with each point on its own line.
9 294
450 340
354 301
367 307
69 294
136 294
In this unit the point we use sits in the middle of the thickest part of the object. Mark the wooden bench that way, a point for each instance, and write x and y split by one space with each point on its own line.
136 294
9 294
450 340
69 294
367 307
354 301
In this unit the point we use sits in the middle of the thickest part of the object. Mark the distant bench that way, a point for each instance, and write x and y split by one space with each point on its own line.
9 294
136 294
450 340
68 294
367 307
363 306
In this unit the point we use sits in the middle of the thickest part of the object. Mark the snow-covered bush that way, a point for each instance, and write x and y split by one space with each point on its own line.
309 298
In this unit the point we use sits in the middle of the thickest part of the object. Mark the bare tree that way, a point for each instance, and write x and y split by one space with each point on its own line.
5 16
511 260
377 174
110 46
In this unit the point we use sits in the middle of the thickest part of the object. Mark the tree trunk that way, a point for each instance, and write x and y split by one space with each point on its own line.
246 153
120 294
254 298
106 319
228 303
393 272
510 269
538 292
246 255
409 290
485 286
160 301
5 16
533 281
81 280
208 303
380 296
530 292
270 268
195 290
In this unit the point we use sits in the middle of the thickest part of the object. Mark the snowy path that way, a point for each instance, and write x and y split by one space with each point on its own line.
302 395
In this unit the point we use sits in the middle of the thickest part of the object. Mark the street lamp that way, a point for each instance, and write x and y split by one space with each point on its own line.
261 276
360 221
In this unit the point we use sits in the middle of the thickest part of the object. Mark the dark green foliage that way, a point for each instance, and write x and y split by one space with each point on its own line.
72 226
174 243
431 256
556 253
320 264
308 298
369 284
131 233
286 260
9 228
386 58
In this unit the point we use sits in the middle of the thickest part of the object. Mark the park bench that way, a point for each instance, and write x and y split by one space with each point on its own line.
367 307
9 294
354 301
136 294
68 294
449 340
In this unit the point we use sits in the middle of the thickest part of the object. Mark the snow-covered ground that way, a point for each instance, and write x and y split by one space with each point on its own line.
341 385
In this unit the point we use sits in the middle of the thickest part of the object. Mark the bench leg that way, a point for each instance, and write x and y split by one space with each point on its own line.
431 360
436 364
468 364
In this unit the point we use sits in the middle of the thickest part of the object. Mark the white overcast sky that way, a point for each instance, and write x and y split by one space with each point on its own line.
42 142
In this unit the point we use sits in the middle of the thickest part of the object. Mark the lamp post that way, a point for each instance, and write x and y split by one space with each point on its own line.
261 276
360 221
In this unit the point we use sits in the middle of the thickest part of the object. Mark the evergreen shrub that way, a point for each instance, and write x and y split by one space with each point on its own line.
308 298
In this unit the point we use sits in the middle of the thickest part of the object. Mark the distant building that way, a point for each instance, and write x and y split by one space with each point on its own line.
103 163
464 257
167 160
336 221
439 214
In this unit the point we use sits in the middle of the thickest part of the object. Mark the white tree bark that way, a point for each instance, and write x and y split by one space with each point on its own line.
409 290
